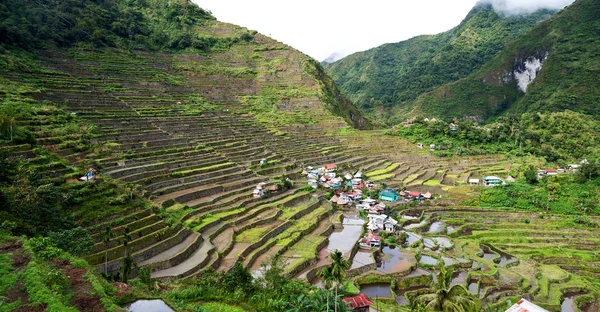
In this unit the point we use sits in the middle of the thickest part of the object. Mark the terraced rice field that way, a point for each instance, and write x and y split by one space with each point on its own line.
190 137
498 256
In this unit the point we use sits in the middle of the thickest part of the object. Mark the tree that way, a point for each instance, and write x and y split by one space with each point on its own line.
107 235
336 271
127 258
446 298
530 175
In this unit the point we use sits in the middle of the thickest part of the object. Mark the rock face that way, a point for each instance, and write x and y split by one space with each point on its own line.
527 69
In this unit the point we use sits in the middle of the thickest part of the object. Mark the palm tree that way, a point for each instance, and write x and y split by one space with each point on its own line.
335 272
107 235
446 298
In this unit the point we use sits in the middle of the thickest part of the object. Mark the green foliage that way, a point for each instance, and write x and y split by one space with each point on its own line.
570 198
561 136
147 24
386 80
530 175
75 241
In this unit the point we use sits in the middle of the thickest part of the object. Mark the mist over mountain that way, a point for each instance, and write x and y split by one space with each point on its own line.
517 7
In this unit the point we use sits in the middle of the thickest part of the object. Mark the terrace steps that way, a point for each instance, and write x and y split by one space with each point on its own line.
169 253
191 265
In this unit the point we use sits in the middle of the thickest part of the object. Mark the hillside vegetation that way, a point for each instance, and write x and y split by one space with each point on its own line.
567 45
385 81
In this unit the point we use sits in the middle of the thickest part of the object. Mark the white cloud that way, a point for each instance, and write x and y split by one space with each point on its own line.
527 6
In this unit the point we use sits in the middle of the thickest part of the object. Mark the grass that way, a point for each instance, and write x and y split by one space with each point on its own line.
385 170
220 307
432 182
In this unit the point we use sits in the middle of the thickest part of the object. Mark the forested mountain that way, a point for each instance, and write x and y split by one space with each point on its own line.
386 80
554 67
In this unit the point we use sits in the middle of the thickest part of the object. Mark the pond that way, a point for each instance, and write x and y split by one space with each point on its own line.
378 290
156 305
395 260
436 227
428 260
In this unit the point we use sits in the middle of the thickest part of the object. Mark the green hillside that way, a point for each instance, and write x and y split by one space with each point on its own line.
385 81
173 27
567 80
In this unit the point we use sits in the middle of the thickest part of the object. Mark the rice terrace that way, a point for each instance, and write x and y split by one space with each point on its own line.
229 173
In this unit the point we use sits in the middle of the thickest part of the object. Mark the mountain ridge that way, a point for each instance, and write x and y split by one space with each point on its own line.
386 80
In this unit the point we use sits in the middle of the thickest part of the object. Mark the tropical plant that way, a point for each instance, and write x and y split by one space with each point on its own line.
447 298
107 235
335 272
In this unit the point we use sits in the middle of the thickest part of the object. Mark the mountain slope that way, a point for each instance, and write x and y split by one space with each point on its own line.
552 68
154 25
389 77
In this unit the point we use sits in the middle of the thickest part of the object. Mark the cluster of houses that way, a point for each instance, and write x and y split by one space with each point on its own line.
327 177
261 188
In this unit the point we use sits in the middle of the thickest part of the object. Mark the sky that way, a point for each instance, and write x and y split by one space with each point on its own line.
322 28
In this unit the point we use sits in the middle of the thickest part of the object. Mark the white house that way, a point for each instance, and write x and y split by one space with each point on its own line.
381 222
473 181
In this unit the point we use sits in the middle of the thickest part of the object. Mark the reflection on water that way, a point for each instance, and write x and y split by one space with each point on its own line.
148 306
396 260
362 258
412 237
379 290
415 225
459 279
568 304
428 260
437 227
473 288
443 242
345 239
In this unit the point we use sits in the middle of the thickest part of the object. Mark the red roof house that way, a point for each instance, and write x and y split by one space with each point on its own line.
414 194
358 303
330 167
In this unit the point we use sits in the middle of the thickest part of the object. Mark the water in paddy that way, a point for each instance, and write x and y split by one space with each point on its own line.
506 259
436 227
487 254
443 241
409 217
568 304
148 306
418 272
448 261
345 239
473 288
395 260
378 290
459 279
412 237
428 260
451 229
428 242
362 258
415 225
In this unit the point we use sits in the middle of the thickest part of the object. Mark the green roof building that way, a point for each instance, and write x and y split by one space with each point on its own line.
388 195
